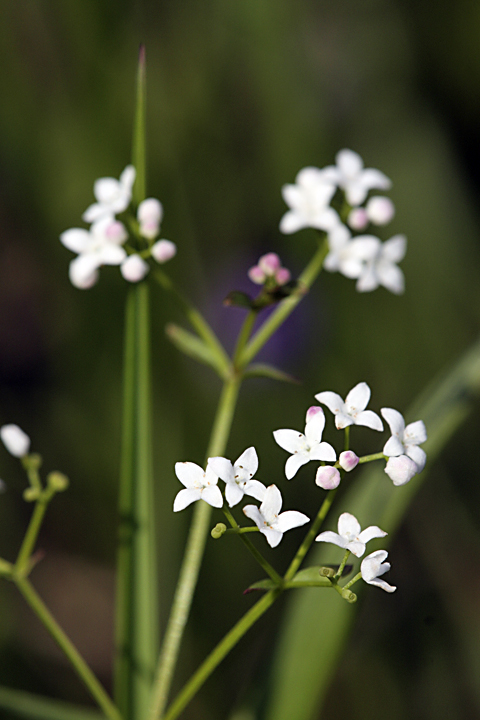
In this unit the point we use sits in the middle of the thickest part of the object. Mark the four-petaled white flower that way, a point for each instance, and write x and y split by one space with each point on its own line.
352 411
309 202
350 535
15 440
350 175
373 566
113 196
268 518
349 256
305 447
101 245
238 478
405 440
199 485
381 269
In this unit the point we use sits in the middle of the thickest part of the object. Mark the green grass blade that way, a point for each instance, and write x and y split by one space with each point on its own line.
317 624
20 704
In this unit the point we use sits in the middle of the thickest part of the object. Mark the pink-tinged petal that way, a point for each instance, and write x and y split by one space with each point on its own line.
327 477
390 276
332 400
190 474
257 275
371 532
418 456
253 513
348 525
394 249
393 447
356 547
311 412
349 162
395 421
401 469
323 451
283 276
233 493
415 433
150 210
270 263
348 460
369 419
314 427
83 271
332 537
358 219
272 503
77 240
248 460
255 489
374 179
289 520
293 464
134 268
185 498
222 467
291 222
290 440
342 420
213 496
163 250
357 398
273 536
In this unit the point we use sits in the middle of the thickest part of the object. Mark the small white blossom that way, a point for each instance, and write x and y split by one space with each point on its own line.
373 566
400 469
348 460
163 250
15 440
113 196
352 411
405 440
350 175
149 216
268 518
327 477
305 447
134 268
350 535
349 256
101 245
238 478
308 201
199 485
382 269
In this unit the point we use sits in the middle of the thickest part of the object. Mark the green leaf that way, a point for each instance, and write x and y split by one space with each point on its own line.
239 299
35 707
265 370
317 625
193 346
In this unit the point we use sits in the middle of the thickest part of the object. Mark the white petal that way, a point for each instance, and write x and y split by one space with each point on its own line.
290 440
348 525
355 191
415 433
356 547
342 420
323 451
95 212
394 249
222 467
255 489
127 178
291 222
308 177
332 537
83 271
357 398
77 240
371 532
390 276
213 496
364 247
368 280
15 440
233 493
369 419
293 464
106 189
332 400
395 421
314 427
290 519
111 254
393 447
272 503
253 513
185 498
401 469
248 460
384 585
349 162
190 474
418 456
375 179
273 536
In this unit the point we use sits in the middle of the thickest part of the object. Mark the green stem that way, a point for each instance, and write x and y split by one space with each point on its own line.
192 558
370 458
310 536
353 581
218 654
341 568
65 644
286 307
347 438
256 553
244 335
31 535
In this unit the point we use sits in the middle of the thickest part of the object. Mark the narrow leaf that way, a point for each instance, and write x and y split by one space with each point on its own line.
35 707
193 346
265 370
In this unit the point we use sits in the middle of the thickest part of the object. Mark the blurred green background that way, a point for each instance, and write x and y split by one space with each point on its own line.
241 95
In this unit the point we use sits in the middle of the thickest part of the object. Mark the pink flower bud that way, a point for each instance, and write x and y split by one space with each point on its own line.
282 276
134 268
116 233
164 250
269 263
380 210
400 469
312 411
358 219
257 275
348 460
327 477
149 215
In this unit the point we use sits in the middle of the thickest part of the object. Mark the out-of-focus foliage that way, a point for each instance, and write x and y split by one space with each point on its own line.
240 97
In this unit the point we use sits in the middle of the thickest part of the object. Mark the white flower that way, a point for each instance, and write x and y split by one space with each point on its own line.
268 518
113 196
352 411
400 469
305 447
238 477
101 245
308 201
163 250
350 175
382 270
327 477
373 566
15 440
149 216
350 535
134 268
199 484
349 256
405 440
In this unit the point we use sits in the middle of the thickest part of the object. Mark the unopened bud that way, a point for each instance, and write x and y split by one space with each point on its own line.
218 530
31 494
358 219
134 268
257 275
15 440
349 596
327 477
282 276
164 250
348 460
401 469
269 263
380 210
327 572
57 481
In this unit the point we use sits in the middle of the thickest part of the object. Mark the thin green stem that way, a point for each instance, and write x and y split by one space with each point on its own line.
347 438
341 568
241 530
286 307
370 458
244 335
251 547
218 654
83 671
310 536
352 581
26 548
192 558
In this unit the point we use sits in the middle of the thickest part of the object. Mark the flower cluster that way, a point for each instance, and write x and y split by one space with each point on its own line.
364 257
105 243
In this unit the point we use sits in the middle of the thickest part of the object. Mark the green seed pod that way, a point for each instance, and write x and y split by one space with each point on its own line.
57 481
31 494
218 530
